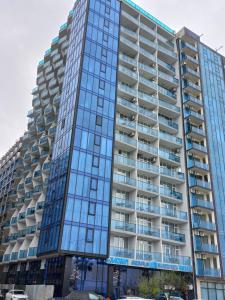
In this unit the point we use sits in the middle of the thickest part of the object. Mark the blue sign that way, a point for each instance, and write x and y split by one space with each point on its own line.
147 264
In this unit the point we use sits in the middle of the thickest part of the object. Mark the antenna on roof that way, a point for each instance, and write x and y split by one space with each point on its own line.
218 49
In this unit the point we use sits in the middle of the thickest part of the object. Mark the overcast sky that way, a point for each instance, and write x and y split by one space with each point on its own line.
26 30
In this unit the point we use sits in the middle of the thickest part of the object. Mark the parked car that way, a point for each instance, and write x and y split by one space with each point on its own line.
16 295
75 295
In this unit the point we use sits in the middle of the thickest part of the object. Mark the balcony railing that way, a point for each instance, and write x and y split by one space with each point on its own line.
32 251
145 230
197 164
196 146
169 155
125 139
208 272
165 191
199 183
202 224
176 259
202 247
170 138
200 202
124 226
147 208
169 106
126 203
168 235
147 148
171 173
147 130
169 123
148 256
121 252
173 213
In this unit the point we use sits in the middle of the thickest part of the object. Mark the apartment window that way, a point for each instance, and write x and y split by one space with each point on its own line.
102 84
89 235
99 120
95 162
103 68
92 208
100 102
105 37
104 52
107 10
106 23
97 140
94 184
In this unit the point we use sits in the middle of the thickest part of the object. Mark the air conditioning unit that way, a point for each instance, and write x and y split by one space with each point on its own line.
201 233
178 151
134 100
153 160
203 256
132 134
198 256
134 69
133 118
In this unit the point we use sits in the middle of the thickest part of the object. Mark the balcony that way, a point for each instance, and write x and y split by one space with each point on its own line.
146 230
147 208
37 189
148 43
170 139
169 55
189 47
30 211
128 60
148 256
147 84
169 109
190 73
32 251
197 183
147 99
197 165
6 258
166 67
40 205
195 131
165 192
196 148
171 173
147 55
148 30
167 155
193 115
124 180
169 235
125 123
174 213
168 79
124 226
128 74
208 248
14 256
180 260
148 115
127 104
196 102
166 94
129 17
168 125
129 32
22 254
127 90
208 272
123 203
13 221
198 223
146 130
200 202
147 148
21 216
127 142
37 174
192 88
129 46
149 70
43 141
28 181
147 187
121 252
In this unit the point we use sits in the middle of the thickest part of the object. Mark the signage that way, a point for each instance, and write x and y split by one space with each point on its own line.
112 260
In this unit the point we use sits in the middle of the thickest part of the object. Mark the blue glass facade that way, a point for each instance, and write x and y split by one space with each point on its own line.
54 203
213 86
82 208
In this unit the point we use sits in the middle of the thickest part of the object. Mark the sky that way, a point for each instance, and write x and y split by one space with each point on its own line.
28 26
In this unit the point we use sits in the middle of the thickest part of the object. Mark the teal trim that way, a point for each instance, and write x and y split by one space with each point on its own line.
47 52
148 15
41 62
55 40
64 26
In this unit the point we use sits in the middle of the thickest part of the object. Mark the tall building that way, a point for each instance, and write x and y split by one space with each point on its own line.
119 178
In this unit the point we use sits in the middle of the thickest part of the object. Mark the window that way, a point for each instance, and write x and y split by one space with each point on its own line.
100 102
103 68
97 140
95 162
89 235
92 208
99 120
102 84
107 10
105 37
106 23
104 52
94 184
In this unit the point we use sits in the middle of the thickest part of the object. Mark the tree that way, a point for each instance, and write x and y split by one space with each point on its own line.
172 281
149 287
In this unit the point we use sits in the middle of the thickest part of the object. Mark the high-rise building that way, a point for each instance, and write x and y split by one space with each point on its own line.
121 168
